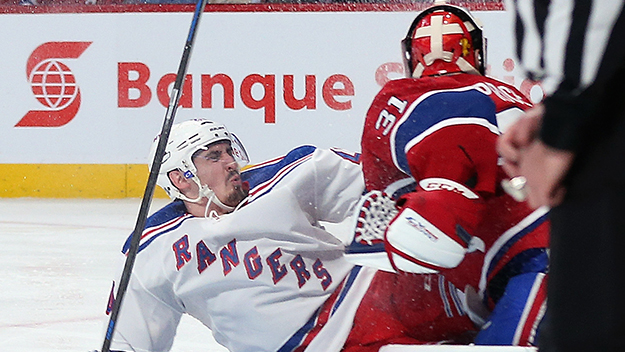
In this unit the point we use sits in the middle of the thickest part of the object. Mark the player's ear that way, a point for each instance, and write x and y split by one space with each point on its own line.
178 180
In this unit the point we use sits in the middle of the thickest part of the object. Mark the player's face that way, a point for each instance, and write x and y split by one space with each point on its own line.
217 169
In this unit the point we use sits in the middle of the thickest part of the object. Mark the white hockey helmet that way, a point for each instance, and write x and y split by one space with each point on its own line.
186 138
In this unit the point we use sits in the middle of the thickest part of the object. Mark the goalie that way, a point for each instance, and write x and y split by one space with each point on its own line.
429 144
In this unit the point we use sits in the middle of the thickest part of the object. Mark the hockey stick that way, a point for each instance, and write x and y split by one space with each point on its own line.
154 170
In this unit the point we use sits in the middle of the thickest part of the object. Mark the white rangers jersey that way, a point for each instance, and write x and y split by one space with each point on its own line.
259 277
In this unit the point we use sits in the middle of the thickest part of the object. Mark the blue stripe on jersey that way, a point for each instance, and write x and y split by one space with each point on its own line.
258 175
353 157
533 260
403 190
437 108
453 292
444 299
160 233
504 249
297 338
348 284
169 212
360 248
507 316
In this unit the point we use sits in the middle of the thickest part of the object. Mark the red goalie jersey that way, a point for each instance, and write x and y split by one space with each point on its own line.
429 143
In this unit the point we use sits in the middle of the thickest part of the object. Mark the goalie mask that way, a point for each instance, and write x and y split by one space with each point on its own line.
185 139
444 39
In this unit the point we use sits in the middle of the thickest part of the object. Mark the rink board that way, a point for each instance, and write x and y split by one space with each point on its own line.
442 348
75 181
277 76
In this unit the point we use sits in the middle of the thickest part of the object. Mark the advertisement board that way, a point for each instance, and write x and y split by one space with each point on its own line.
92 88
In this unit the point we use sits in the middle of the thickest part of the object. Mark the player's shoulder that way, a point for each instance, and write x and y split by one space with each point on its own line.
400 86
499 83
294 154
402 92
263 172
502 91
167 213
267 174
164 220
420 88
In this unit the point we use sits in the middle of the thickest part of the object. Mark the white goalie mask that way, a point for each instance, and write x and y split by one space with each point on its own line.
184 140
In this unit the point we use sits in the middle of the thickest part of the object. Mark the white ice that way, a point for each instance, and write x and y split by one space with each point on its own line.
56 269
58 260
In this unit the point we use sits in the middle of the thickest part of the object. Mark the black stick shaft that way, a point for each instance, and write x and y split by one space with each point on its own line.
154 170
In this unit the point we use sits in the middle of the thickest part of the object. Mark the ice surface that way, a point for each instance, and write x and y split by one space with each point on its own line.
58 260
56 268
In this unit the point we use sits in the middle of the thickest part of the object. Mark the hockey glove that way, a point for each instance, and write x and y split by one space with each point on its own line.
372 214
431 230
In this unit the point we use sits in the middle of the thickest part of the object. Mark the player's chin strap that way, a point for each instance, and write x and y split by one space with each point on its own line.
206 192
228 209
212 198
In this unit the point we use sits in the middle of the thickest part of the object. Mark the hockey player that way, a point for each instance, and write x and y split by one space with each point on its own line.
244 253
429 144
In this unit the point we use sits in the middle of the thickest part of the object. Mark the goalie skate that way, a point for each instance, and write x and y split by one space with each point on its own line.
371 217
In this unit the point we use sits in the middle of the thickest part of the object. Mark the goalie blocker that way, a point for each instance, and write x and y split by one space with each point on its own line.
433 228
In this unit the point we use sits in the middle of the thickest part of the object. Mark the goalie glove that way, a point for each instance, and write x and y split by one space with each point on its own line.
431 230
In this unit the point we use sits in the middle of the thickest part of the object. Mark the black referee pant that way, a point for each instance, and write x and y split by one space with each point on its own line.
586 292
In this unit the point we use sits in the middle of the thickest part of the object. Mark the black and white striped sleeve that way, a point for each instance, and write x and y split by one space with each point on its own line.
574 47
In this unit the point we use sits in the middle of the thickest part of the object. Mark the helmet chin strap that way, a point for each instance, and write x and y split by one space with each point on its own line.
206 192
212 198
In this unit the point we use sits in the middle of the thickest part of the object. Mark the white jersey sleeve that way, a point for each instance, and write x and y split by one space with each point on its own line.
150 314
143 311
325 184
335 178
